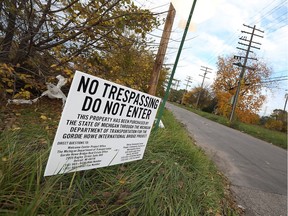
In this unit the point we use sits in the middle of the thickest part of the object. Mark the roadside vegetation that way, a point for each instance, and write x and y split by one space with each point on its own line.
173 178
272 136
215 102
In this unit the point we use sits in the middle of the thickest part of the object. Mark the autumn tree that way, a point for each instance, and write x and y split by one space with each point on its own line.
131 66
206 97
250 97
176 95
41 38
276 121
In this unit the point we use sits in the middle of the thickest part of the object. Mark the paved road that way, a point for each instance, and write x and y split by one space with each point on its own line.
256 169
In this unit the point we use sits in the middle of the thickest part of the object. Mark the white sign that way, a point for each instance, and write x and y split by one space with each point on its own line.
102 124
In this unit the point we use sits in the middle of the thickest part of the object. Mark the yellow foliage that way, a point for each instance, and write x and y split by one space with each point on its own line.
43 117
250 96
23 94
189 98
224 103
68 72
23 76
9 90
4 67
28 86
274 124
6 76
15 128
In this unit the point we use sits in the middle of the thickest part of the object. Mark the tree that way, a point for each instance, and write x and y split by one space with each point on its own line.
176 95
274 124
210 108
278 120
250 97
206 97
131 66
41 38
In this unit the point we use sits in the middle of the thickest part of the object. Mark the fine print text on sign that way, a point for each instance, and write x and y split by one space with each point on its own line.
102 124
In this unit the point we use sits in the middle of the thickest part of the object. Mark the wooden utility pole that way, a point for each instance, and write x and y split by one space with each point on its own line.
188 80
162 106
176 84
286 98
204 77
249 46
161 51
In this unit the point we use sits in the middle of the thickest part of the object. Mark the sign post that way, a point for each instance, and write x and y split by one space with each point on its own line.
102 124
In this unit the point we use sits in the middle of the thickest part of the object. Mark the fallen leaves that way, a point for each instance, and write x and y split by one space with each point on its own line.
43 117
122 181
15 128
43 141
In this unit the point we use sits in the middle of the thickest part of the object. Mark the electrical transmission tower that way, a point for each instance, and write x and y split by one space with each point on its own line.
243 66
204 77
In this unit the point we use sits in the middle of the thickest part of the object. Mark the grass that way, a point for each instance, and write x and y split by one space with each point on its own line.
173 178
275 137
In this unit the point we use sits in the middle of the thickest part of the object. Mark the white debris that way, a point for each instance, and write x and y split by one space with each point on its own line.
241 207
62 81
19 101
53 91
35 100
161 125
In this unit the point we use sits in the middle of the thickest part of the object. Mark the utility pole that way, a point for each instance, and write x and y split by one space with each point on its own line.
244 38
188 80
286 96
161 51
265 110
162 106
176 84
204 77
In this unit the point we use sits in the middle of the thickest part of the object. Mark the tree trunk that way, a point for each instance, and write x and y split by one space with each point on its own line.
9 33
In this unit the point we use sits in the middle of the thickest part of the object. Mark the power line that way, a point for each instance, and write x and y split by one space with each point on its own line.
229 41
206 70
280 71
277 28
271 81
164 5
178 41
188 81
262 10
232 38
249 46
268 13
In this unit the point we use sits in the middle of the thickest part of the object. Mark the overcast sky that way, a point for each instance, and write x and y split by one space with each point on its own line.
216 28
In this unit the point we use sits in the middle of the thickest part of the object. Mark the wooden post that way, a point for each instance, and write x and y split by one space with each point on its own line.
161 51
162 106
